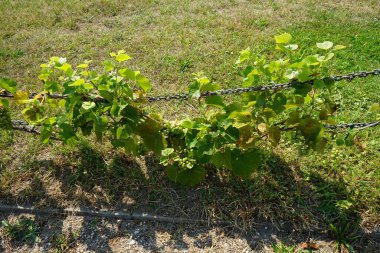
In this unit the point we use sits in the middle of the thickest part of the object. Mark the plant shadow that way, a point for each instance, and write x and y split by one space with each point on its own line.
279 203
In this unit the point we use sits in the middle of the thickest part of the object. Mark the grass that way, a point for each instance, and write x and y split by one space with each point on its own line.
170 40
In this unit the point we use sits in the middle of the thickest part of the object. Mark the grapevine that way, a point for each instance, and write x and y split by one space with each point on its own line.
112 105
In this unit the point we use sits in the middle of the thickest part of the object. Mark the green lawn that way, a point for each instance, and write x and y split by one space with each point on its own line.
169 40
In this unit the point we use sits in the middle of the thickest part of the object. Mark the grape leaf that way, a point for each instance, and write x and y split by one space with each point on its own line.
243 164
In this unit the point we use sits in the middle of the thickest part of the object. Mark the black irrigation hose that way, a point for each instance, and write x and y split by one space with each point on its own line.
106 214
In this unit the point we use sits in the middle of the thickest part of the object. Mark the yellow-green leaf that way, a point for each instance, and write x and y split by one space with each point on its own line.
284 38
78 82
54 59
88 86
339 47
374 107
123 57
244 55
21 97
82 66
143 82
62 103
8 85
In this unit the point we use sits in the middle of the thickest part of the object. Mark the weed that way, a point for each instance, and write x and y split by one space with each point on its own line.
261 23
282 248
343 234
12 54
185 65
22 230
64 242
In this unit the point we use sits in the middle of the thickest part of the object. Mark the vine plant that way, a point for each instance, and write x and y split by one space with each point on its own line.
112 104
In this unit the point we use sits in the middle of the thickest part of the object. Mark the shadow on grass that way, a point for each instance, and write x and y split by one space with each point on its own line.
280 203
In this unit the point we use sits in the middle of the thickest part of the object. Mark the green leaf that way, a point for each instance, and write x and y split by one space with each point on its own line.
128 74
67 132
243 164
123 57
143 82
216 101
303 89
4 103
108 65
45 134
189 177
241 117
279 102
78 82
203 81
54 59
194 90
66 68
222 159
115 109
274 134
339 141
88 86
50 121
325 58
310 128
5 117
166 152
349 140
8 85
51 86
129 144
153 139
31 114
319 84
311 60
100 124
244 55
62 103
88 105
325 45
109 96
209 87
293 118
119 132
283 38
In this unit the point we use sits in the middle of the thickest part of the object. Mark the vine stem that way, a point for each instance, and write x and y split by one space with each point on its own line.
33 130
